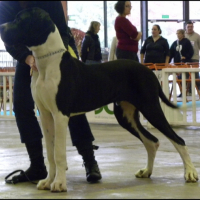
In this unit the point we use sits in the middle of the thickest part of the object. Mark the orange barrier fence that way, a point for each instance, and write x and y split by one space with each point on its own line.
160 66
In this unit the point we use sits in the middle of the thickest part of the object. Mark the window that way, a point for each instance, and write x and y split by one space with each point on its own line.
81 13
165 10
162 10
194 8
111 16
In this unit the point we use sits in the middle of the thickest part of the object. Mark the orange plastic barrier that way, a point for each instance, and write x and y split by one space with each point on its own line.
160 66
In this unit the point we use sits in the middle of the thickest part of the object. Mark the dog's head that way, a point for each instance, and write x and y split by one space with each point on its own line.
31 27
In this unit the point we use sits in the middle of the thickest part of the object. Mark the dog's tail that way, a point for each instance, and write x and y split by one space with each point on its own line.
165 100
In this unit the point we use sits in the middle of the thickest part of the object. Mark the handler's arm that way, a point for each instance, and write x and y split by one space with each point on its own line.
57 15
130 29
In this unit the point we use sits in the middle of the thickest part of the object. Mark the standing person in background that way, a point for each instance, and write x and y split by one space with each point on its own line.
181 50
194 38
113 48
126 33
27 123
155 48
91 48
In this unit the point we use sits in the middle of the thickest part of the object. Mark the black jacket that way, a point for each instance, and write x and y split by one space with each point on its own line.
155 52
91 49
9 9
186 51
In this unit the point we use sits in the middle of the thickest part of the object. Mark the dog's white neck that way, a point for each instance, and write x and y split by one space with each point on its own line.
53 45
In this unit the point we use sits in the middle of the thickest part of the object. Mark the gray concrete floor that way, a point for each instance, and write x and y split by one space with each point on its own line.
119 157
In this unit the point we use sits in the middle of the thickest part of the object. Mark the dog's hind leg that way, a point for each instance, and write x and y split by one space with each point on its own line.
48 132
128 117
154 114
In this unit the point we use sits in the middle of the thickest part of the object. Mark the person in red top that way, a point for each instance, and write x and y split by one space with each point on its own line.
126 33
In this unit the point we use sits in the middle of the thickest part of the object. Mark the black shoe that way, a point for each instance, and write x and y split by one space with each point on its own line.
180 95
29 175
93 173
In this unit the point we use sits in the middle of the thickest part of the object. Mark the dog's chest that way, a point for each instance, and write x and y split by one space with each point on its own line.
45 85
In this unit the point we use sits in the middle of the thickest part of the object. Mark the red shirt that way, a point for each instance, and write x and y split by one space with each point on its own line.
124 32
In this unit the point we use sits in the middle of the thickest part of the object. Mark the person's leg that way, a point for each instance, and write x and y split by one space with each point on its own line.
135 57
82 138
196 77
28 125
180 86
197 74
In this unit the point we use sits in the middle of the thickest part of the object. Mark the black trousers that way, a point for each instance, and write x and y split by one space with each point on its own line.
122 54
26 120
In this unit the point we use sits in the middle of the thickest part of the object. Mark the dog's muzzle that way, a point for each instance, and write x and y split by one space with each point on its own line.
2 27
4 34
2 31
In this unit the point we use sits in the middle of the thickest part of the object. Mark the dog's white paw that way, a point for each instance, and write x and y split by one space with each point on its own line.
59 185
191 175
143 173
44 184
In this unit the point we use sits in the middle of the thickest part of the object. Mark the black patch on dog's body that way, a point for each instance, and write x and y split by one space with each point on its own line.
86 87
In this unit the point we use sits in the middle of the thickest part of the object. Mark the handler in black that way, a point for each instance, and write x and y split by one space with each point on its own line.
27 123
155 48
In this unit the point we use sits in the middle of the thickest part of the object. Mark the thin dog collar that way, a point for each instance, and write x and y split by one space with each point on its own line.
50 54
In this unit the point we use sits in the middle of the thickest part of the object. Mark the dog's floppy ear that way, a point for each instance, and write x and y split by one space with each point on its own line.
33 11
37 25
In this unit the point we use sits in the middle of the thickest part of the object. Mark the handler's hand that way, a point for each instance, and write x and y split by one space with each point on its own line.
182 58
30 60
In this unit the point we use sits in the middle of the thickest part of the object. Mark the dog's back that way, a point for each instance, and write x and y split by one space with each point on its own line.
86 87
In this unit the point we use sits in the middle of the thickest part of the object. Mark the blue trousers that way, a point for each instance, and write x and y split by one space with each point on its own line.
26 120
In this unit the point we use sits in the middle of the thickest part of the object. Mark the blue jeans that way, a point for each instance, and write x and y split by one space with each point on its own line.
26 120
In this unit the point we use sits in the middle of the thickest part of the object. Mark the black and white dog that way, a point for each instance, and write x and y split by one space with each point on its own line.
64 87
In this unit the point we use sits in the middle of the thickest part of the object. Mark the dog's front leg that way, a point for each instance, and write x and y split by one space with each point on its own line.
61 122
49 134
47 126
